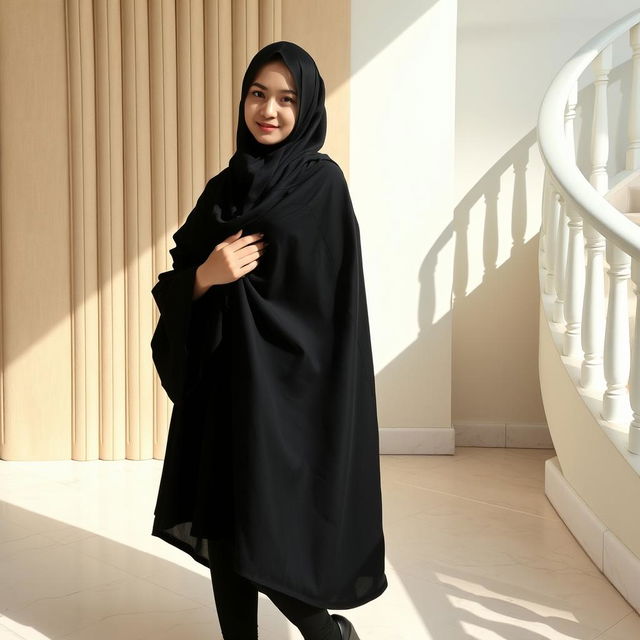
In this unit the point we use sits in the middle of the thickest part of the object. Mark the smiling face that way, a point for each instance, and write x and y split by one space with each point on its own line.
271 105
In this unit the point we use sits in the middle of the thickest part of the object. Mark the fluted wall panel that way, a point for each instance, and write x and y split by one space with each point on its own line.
164 168
246 39
138 237
270 22
84 267
118 111
219 97
190 48
110 216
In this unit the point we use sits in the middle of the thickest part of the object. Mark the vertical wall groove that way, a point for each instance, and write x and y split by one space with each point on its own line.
138 235
164 169
190 69
84 276
270 21
108 55
220 102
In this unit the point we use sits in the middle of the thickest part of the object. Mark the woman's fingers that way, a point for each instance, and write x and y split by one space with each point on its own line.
234 257
245 240
251 250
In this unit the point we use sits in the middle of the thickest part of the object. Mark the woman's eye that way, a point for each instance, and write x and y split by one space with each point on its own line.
258 94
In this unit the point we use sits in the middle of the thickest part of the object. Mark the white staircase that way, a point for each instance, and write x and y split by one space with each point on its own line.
589 351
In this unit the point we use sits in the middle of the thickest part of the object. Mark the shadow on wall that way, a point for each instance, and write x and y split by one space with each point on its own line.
495 322
495 326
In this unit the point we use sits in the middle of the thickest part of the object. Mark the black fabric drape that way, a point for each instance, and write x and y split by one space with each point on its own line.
273 441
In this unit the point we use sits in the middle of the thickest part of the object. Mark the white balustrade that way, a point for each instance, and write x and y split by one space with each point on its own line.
575 212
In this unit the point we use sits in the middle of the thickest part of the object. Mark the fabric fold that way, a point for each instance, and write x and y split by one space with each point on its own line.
188 331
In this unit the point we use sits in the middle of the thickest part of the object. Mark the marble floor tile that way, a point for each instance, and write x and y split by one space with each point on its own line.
473 550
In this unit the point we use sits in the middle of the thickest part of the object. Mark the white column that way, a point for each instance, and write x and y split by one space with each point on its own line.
634 376
615 402
593 315
562 236
574 284
562 242
549 226
600 125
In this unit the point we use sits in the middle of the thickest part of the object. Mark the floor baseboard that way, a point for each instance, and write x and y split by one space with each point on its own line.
444 440
614 559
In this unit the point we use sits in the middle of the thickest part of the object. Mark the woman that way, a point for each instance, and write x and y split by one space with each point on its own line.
271 473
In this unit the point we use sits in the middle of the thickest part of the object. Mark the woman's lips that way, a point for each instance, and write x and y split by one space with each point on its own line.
267 127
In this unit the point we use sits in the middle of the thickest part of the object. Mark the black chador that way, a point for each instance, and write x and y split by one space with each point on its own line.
273 441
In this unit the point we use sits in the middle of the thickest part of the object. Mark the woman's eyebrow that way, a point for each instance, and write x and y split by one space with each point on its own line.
257 84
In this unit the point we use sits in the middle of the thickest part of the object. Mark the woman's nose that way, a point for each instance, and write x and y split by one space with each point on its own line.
269 107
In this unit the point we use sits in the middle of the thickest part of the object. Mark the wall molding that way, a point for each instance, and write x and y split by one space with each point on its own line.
443 440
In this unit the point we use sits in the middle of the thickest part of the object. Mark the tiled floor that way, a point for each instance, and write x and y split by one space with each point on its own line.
474 550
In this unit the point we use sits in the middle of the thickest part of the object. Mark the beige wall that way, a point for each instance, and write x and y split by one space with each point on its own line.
328 41
112 117
402 98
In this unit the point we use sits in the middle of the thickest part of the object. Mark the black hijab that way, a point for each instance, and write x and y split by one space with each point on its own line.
260 176
256 169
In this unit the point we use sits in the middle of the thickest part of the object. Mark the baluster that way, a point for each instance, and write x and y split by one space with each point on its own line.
633 150
562 235
593 318
550 225
553 241
569 117
634 376
544 221
591 374
615 402
600 124
560 261
574 284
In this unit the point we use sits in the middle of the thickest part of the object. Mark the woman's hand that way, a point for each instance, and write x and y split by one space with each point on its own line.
233 258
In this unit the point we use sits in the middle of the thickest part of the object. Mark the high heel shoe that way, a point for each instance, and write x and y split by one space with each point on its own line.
346 628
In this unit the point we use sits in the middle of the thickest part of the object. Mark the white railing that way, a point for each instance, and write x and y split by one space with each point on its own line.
588 248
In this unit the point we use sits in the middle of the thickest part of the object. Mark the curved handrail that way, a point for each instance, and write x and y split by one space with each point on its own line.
552 143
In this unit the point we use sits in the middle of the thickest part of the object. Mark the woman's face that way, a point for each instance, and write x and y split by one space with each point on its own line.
272 101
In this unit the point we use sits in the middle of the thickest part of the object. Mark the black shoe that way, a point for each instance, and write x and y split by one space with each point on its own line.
346 628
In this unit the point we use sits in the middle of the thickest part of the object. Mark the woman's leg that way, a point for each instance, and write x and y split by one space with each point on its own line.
314 623
236 597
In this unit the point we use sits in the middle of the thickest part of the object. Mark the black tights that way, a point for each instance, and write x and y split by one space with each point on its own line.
236 601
